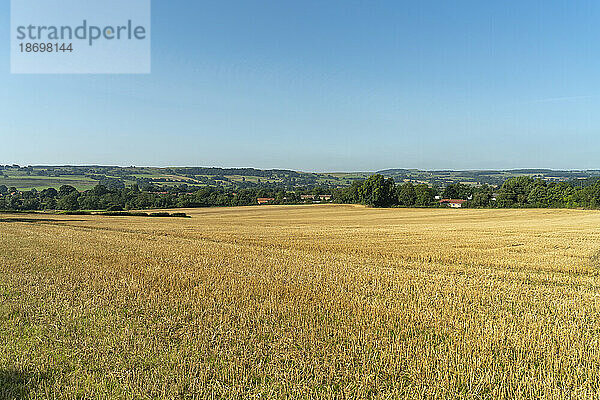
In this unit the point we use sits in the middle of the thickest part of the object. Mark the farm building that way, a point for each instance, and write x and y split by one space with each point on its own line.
315 198
453 203
265 200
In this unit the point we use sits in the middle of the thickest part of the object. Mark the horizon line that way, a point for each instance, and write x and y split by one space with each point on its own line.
308 171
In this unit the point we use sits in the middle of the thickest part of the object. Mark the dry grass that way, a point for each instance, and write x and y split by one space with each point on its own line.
302 302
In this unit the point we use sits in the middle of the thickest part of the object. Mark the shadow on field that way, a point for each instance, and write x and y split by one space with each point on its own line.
594 260
17 384
34 220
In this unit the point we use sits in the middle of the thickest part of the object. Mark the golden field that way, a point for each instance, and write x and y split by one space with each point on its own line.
302 302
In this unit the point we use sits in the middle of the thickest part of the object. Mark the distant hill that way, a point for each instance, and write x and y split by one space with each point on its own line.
86 177
480 177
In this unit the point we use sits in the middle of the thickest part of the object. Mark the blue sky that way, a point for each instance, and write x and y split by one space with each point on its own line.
327 86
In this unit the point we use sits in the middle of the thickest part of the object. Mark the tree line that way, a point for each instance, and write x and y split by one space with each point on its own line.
117 198
375 191
517 192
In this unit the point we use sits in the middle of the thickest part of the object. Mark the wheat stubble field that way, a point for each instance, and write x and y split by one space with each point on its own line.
302 302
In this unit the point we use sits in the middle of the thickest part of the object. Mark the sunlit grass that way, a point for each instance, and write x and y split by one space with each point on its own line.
301 302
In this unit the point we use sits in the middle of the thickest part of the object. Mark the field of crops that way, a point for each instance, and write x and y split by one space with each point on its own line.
302 302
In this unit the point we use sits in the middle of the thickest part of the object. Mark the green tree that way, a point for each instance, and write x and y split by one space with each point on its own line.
407 195
65 190
482 197
349 195
377 191
538 196
89 202
515 191
49 193
457 191
69 202
100 190
425 196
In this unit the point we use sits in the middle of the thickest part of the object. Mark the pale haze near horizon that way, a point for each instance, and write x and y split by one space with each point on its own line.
342 86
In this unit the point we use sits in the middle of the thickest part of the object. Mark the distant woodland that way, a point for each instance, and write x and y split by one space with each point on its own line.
375 191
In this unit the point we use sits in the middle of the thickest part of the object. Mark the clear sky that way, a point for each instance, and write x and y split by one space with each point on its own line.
327 86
